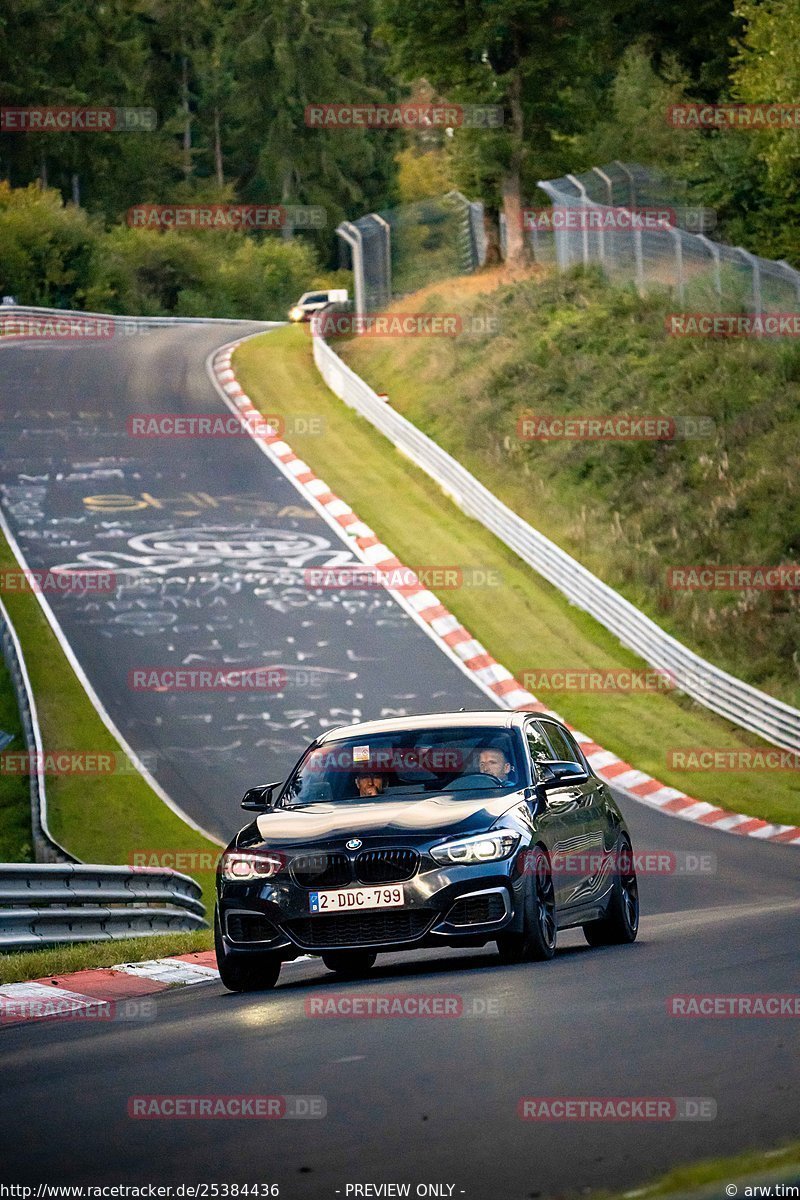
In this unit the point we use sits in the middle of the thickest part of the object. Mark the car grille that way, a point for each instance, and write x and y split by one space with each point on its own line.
477 910
386 866
249 927
321 870
335 869
360 929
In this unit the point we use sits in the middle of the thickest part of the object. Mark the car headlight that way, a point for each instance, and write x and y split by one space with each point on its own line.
296 314
243 867
486 847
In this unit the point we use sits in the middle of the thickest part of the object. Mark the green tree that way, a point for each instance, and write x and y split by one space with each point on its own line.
542 64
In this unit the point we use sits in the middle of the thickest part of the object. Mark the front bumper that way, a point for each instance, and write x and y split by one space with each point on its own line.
461 905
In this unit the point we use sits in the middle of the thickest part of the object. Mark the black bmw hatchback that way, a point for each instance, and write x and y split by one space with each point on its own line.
454 829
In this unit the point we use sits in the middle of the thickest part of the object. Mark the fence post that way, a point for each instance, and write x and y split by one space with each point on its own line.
792 273
609 185
755 271
584 205
637 247
560 236
631 182
601 236
675 233
387 251
350 234
714 250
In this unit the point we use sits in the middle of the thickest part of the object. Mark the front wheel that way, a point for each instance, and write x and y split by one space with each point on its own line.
254 971
620 924
350 964
537 942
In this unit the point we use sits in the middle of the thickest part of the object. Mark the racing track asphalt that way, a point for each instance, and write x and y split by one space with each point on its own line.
413 1101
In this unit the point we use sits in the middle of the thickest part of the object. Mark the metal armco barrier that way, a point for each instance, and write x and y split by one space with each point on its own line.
125 323
45 847
60 903
715 689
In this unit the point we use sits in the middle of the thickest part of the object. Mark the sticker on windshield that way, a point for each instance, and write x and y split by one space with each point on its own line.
360 754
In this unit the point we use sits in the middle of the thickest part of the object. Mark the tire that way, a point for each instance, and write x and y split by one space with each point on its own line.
350 964
253 971
537 942
620 925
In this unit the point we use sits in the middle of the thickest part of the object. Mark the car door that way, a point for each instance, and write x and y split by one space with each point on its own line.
550 817
581 870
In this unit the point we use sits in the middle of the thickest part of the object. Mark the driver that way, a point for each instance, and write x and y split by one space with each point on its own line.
370 785
492 761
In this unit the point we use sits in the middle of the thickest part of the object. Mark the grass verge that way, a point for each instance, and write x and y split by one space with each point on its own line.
752 1167
525 623
62 960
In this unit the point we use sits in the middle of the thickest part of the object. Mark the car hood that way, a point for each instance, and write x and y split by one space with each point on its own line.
440 816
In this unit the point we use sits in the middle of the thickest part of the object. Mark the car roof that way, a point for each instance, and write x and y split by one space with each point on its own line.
493 717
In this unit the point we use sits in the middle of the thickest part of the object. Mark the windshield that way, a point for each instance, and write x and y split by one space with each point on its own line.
413 762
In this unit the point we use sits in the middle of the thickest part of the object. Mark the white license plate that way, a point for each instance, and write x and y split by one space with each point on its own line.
357 899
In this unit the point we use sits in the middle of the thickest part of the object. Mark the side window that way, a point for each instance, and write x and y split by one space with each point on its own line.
561 747
577 753
537 744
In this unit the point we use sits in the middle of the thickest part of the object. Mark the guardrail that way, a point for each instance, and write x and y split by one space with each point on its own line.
12 310
62 903
710 686
45 846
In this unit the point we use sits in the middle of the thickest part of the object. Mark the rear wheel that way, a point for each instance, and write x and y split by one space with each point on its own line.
537 941
253 971
350 963
620 925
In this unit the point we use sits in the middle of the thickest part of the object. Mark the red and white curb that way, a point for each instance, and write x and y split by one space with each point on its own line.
103 994
456 641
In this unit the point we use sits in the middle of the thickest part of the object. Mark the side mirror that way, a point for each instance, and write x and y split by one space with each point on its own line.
259 799
556 773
